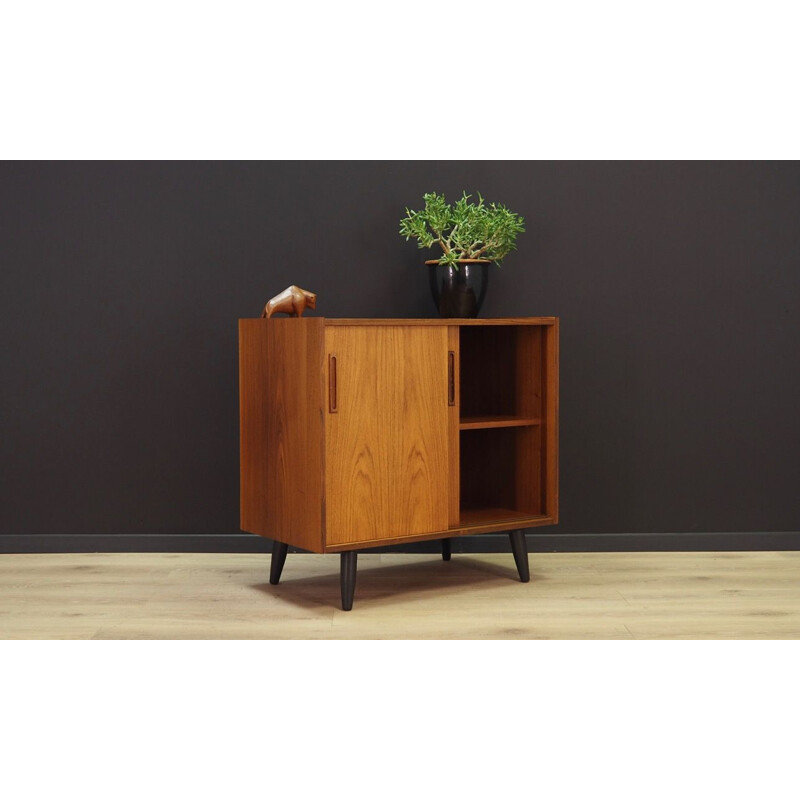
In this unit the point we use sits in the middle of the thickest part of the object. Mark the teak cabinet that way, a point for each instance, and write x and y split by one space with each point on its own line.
357 433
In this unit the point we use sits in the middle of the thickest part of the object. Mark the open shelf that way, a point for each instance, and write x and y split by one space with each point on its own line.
501 369
501 473
501 427
496 421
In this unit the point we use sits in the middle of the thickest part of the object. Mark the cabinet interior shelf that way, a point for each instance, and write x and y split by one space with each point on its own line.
497 421
487 514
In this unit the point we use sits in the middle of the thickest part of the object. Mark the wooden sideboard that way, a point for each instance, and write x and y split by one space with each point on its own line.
357 433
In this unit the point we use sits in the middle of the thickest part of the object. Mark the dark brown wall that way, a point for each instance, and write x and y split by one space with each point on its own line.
677 284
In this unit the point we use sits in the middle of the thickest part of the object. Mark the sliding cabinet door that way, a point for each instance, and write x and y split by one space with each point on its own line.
386 434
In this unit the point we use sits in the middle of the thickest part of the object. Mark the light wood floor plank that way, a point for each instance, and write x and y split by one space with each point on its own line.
401 596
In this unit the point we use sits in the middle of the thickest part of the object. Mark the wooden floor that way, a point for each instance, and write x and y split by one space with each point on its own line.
570 596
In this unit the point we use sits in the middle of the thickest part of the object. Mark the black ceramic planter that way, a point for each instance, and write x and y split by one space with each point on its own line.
459 292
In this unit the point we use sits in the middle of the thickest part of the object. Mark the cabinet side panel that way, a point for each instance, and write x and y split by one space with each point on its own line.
529 370
281 433
551 421
252 426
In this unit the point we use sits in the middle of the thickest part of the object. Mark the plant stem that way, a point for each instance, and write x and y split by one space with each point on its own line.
482 250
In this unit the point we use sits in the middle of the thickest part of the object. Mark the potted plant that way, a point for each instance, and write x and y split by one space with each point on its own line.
471 236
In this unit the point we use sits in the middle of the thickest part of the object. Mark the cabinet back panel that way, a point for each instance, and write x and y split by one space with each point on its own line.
501 370
488 375
387 441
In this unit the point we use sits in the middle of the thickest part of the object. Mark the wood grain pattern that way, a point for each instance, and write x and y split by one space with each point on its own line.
502 397
292 301
481 514
713 595
472 521
501 468
528 473
281 429
550 413
399 468
529 369
433 321
453 438
488 371
488 467
496 421
387 445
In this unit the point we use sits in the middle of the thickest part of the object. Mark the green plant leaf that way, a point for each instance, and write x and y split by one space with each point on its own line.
465 229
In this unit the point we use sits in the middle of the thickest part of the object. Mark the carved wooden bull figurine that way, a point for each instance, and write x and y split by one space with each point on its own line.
292 301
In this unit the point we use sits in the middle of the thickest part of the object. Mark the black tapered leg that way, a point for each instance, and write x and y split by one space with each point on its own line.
348 578
446 550
519 547
279 550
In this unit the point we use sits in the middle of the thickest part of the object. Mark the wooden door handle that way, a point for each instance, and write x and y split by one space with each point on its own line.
332 407
451 378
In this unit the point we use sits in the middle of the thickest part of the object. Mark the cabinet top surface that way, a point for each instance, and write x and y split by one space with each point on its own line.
430 321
